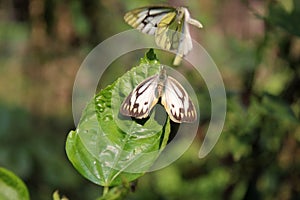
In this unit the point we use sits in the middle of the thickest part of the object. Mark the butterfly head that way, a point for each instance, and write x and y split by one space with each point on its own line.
162 76
180 13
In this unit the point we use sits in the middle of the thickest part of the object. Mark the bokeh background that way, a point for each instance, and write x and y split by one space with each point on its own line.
255 45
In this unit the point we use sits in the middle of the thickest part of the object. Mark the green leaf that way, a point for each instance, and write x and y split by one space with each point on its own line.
108 148
278 109
289 21
12 187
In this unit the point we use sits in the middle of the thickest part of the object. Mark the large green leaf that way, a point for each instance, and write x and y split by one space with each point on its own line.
11 187
108 148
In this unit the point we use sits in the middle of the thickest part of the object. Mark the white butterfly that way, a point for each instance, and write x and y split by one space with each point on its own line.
173 96
168 24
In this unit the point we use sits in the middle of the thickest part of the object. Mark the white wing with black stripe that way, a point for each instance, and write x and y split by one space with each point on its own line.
173 96
146 19
141 100
177 102
169 25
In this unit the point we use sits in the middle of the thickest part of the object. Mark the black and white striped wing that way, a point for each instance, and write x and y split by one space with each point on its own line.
146 19
141 100
177 102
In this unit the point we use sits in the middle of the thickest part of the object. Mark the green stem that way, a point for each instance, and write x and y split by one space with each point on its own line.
105 190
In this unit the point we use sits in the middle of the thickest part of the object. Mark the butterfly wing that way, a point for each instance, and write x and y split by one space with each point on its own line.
173 32
166 35
185 44
146 19
177 103
170 26
141 100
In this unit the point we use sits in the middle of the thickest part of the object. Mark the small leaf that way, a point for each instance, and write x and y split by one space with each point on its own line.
278 109
151 55
108 148
12 187
56 196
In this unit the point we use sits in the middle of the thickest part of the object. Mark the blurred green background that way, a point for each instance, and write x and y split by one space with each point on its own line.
256 47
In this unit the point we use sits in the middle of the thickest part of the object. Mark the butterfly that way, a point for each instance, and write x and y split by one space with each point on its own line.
173 97
168 24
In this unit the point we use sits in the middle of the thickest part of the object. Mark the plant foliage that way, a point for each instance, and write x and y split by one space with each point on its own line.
108 148
12 187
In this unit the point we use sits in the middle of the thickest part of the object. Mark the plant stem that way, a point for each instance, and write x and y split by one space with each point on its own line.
105 190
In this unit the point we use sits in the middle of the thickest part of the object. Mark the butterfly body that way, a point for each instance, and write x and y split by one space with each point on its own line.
168 24
173 97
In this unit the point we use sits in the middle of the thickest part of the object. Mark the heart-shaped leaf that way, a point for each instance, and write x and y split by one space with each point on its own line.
108 148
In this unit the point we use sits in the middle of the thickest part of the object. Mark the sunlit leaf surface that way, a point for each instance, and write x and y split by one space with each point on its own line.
108 148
